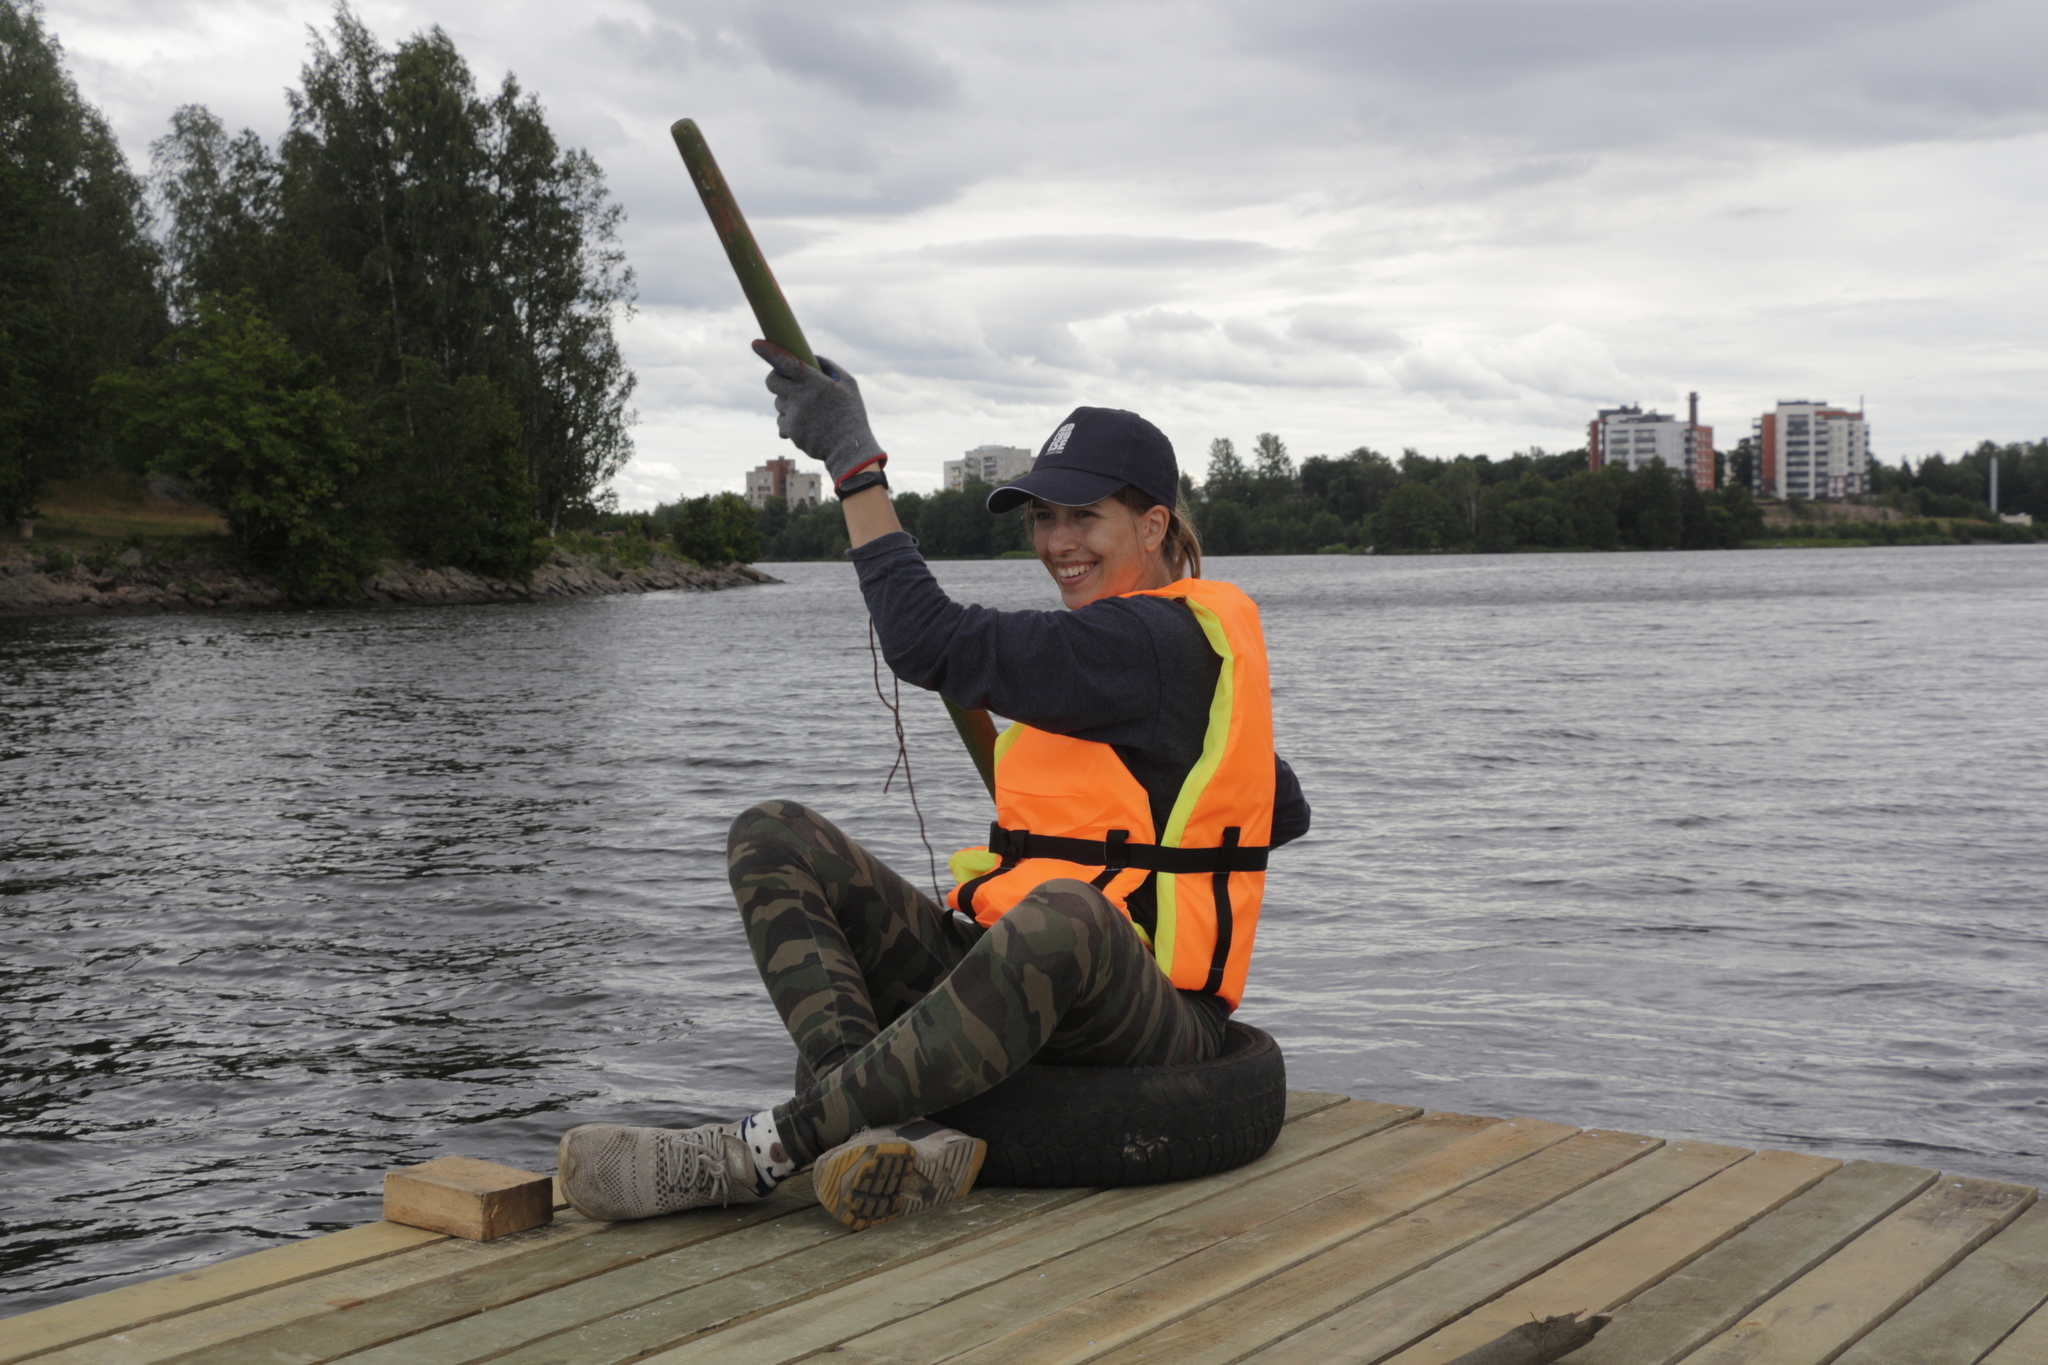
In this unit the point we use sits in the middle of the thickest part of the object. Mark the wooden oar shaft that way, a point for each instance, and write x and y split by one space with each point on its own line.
764 295
778 324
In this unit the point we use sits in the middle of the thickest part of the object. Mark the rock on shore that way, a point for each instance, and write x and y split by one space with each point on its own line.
135 583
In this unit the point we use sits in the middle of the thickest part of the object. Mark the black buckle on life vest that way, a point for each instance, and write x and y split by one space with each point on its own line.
1008 844
1114 859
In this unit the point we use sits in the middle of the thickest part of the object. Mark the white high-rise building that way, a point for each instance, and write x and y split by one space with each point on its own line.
988 464
1810 450
1629 437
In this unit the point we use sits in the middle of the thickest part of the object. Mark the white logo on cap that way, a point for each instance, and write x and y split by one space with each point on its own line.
1059 439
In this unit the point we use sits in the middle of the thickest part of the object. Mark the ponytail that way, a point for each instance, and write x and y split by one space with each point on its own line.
1182 548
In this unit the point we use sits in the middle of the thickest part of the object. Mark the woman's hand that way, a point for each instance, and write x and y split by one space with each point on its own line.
820 410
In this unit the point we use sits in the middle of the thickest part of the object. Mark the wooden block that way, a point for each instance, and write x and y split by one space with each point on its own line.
460 1195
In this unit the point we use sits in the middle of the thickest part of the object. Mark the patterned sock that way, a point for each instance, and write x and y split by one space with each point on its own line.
772 1163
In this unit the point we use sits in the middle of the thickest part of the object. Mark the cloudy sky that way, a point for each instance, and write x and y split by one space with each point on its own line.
1458 225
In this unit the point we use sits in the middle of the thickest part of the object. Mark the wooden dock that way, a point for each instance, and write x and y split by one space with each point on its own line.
1371 1232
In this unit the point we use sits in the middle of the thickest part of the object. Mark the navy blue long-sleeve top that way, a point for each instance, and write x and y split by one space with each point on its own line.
1135 673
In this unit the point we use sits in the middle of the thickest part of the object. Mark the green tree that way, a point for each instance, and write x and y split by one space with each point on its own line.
406 217
1273 478
773 518
259 431
1352 486
1493 530
1415 517
1735 515
444 482
1742 465
1647 511
1225 527
1460 483
717 529
78 293
1228 480
1594 505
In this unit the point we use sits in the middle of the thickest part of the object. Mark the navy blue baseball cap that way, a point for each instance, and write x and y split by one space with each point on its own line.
1095 452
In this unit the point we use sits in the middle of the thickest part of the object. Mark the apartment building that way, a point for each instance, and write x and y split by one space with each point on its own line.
780 478
1810 450
1629 437
988 464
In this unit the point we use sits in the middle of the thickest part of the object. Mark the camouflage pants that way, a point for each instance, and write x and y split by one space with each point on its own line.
901 1008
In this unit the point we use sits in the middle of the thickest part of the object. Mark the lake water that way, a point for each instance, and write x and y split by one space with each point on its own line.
1744 847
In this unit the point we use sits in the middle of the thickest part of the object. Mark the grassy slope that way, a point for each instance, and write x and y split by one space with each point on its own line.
91 511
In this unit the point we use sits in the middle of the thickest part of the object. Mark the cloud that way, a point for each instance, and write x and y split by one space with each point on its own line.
869 67
1454 224
667 48
1187 348
1550 375
1345 327
1104 251
1616 73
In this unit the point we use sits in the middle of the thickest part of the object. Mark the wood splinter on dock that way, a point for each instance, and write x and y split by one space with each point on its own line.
465 1197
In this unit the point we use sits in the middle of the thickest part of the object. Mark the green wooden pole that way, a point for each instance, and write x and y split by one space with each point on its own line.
779 325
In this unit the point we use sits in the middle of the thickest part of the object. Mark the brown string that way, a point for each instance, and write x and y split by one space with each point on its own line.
902 756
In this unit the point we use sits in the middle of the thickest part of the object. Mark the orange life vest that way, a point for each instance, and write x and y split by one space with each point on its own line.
1068 807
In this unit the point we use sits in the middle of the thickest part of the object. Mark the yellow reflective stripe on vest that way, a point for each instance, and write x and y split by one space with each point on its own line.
1221 708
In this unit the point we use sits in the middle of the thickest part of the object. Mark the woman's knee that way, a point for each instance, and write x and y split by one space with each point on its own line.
766 820
1065 906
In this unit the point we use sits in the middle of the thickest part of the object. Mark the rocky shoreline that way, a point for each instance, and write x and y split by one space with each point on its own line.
134 583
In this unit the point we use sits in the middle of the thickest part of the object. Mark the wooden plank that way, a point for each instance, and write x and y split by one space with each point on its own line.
1813 1319
821 1323
115 1310
210 1329
662 1322
1299 1264
1972 1308
1382 1323
1302 1103
621 1268
1618 1267
1669 1320
2028 1344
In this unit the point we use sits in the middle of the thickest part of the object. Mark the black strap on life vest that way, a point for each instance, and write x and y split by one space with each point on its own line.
1115 852
1223 925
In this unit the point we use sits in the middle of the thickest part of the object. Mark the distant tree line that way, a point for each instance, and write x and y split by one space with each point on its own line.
1353 502
391 333
1937 487
1527 502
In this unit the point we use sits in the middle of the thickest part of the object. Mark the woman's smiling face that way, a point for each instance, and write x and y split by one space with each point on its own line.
1100 550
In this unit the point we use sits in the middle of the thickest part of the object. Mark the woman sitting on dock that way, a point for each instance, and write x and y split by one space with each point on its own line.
1110 921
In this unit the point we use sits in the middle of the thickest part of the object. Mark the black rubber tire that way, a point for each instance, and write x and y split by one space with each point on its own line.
1064 1126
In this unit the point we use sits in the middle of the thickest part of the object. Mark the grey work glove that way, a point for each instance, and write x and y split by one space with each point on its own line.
820 410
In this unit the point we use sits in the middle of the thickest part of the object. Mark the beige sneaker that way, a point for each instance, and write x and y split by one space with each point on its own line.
884 1173
611 1172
